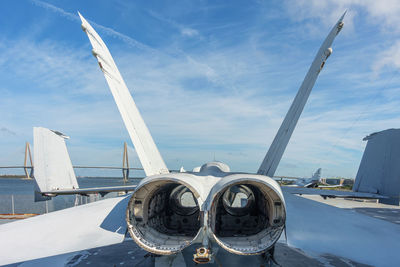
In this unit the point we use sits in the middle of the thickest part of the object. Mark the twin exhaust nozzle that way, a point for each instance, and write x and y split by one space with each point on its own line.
242 214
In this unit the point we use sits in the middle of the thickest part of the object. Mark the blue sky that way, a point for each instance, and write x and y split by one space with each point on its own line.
211 79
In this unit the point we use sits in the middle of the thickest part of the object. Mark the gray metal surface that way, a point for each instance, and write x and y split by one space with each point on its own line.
129 254
390 215
379 170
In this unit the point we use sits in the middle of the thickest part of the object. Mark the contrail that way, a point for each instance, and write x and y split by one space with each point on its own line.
108 31
111 32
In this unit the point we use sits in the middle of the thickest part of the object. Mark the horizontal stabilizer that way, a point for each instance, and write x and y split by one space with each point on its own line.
94 190
147 151
53 167
329 193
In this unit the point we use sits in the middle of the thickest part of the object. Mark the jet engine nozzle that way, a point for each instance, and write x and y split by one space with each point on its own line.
163 216
247 214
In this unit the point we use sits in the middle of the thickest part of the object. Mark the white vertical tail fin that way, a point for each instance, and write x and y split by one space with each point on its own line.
278 146
317 175
53 167
146 149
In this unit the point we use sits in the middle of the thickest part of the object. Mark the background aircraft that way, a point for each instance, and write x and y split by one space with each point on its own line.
313 182
308 182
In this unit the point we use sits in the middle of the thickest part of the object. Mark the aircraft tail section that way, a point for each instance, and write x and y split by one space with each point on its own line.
317 175
278 146
146 149
53 167
379 170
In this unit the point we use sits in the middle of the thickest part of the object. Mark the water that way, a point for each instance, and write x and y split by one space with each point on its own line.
22 192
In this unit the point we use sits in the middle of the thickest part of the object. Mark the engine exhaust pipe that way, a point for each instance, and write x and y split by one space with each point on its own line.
247 214
163 216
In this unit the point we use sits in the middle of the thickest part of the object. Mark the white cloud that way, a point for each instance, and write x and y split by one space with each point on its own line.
388 58
184 30
189 32
384 13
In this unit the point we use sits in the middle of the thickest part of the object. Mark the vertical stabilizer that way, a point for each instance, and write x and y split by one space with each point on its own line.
53 167
317 175
278 146
379 170
149 156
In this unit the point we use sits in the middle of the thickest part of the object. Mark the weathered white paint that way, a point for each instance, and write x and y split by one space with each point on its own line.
53 167
88 226
278 146
146 149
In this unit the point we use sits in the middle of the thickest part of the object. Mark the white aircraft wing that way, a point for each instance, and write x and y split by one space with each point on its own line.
146 149
83 227
278 146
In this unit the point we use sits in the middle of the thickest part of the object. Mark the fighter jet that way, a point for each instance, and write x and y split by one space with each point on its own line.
311 182
210 207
